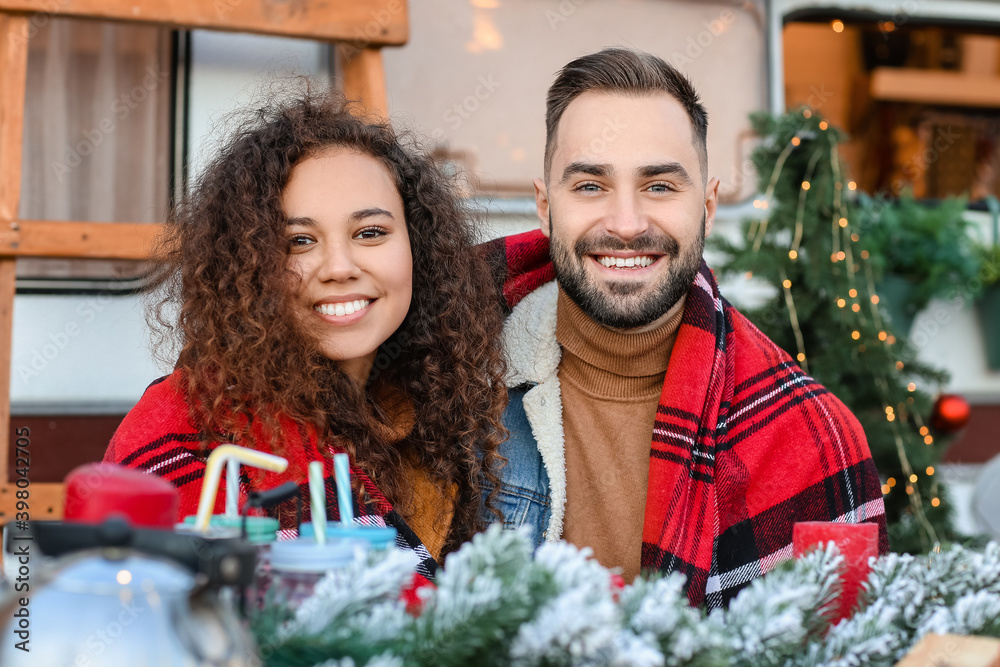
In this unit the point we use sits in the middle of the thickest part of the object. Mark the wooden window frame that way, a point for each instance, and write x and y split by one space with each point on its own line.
358 27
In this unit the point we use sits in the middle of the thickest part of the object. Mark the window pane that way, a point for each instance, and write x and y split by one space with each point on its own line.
96 132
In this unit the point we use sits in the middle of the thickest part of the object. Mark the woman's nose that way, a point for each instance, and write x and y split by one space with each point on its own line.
339 264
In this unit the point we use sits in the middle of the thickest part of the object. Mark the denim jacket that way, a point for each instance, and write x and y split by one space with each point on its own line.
533 483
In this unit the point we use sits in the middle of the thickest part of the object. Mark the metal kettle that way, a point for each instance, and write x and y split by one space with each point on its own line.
117 595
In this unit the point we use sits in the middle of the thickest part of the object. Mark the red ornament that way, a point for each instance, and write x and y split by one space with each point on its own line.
950 413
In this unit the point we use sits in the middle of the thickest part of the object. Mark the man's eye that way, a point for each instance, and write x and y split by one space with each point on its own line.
588 187
371 233
660 187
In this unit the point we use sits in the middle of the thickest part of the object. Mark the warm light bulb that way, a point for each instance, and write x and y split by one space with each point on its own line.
913 478
853 293
786 283
856 238
800 356
930 470
928 440
891 482
935 502
864 254
823 125
874 298
851 185
855 335
806 113
805 185
890 417
792 254
909 489
888 410
837 25
885 489
843 222
882 335
911 387
841 255
899 365
841 303
796 141
924 430
856 308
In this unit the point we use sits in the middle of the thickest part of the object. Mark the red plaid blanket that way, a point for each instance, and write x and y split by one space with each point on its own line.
744 444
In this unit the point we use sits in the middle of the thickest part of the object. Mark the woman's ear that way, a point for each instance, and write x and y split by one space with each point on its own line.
542 205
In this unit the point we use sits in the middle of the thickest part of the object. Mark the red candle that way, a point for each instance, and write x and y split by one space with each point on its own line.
857 543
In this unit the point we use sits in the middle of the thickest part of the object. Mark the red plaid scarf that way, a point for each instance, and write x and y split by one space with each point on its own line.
744 443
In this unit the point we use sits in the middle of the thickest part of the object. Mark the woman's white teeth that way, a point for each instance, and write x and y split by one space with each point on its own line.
625 263
341 309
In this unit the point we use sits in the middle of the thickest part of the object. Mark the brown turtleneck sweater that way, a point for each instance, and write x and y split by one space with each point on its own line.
611 383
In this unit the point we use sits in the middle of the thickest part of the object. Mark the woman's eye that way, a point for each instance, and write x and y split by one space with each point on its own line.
300 240
371 233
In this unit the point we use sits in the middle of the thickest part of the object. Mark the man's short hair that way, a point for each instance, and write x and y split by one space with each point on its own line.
628 72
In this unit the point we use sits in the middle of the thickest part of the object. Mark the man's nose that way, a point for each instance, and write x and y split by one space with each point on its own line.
626 219
339 263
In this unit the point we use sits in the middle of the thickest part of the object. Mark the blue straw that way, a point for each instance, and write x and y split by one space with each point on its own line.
342 473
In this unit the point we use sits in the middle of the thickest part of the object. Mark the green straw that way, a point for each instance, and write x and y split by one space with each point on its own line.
317 497
342 473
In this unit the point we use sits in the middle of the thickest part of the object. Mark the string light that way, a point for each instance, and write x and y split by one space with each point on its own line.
935 502
855 334
796 141
911 387
843 222
841 255
889 410
892 339
882 335
841 303
833 257
793 254
806 113
837 25
928 440
800 356
913 478
909 490
786 283
885 489
823 125
856 238
805 185
924 430
864 254
874 298
930 470
856 308
853 293
851 185
890 417
891 482
899 365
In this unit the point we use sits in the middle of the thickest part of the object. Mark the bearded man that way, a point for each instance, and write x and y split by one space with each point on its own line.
649 420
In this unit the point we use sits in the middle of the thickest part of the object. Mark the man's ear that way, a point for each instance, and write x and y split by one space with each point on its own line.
542 205
711 203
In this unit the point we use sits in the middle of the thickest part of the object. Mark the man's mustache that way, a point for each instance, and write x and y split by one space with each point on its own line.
653 244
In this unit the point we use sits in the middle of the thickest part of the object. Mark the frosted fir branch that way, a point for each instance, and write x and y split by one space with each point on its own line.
572 629
771 619
384 660
658 611
573 567
870 638
632 650
975 613
370 579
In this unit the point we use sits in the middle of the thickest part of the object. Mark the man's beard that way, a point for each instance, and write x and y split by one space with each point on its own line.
627 304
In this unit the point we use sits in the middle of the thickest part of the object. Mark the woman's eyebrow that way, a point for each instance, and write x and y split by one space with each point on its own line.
300 222
371 213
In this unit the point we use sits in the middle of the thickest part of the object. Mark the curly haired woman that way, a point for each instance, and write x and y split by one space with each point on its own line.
325 294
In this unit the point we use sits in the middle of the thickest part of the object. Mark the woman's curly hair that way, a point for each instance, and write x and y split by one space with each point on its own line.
228 310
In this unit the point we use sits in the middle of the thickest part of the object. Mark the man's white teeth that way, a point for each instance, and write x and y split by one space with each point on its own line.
622 263
341 309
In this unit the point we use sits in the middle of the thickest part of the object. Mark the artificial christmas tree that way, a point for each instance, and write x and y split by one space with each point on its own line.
825 312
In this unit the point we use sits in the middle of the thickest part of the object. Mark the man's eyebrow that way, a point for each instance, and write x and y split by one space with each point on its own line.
357 216
665 169
603 170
